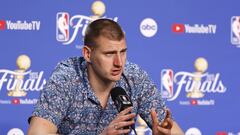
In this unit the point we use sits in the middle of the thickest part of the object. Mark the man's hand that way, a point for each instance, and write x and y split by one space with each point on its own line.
165 127
116 127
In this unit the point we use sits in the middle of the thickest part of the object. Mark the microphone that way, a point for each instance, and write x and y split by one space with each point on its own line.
120 98
121 101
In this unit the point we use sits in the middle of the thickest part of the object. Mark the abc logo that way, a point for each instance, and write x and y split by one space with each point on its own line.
193 131
15 131
148 27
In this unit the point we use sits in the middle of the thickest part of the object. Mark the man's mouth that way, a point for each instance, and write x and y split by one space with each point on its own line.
116 72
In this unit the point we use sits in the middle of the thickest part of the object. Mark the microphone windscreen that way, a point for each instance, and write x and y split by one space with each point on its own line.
120 98
116 91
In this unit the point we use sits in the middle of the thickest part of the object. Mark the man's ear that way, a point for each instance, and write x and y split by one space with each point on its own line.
86 52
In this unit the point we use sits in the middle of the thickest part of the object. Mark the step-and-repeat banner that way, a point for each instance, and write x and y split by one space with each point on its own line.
189 48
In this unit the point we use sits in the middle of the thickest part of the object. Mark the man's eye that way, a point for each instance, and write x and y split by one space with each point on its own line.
109 54
123 53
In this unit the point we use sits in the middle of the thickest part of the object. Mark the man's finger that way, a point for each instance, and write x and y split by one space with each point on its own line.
168 113
124 124
122 131
154 117
126 117
126 111
165 123
170 123
165 131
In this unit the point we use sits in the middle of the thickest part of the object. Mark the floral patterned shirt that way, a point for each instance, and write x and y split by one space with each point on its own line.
69 102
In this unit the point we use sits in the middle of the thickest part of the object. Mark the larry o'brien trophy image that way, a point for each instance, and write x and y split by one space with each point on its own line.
23 63
98 9
201 66
142 126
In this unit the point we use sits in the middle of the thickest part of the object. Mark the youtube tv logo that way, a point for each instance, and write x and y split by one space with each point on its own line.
194 102
178 28
2 25
15 101
194 28
222 133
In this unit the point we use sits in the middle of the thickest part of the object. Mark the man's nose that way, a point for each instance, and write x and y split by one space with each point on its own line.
118 60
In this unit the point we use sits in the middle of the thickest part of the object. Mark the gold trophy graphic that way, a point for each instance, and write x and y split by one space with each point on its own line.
201 66
23 63
142 126
98 9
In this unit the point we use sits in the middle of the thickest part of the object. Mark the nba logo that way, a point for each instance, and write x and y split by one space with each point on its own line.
235 30
167 83
62 29
123 98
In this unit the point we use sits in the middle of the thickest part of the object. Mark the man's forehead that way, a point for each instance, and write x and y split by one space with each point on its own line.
105 43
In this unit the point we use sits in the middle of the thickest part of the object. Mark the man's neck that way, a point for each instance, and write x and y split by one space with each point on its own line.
99 85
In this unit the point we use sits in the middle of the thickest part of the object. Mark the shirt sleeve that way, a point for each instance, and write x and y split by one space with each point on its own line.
149 97
55 98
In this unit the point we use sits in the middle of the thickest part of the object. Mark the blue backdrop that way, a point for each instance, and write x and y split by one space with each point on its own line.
164 37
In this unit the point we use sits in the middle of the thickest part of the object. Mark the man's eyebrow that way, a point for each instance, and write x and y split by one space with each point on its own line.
114 51
124 50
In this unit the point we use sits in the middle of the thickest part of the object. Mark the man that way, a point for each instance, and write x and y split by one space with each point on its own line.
76 98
